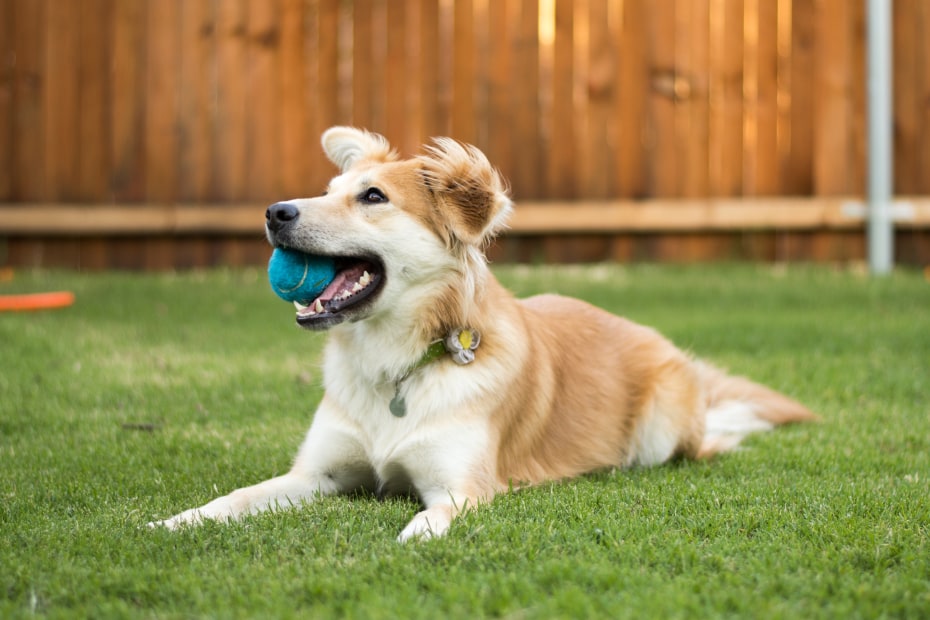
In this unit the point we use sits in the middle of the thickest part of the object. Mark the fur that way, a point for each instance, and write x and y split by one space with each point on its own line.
558 387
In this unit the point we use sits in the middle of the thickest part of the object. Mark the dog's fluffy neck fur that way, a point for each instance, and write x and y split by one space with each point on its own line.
399 338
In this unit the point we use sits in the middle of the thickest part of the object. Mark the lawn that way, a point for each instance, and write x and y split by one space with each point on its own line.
156 393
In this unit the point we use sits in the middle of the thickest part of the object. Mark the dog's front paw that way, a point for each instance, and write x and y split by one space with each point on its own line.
431 523
189 517
227 507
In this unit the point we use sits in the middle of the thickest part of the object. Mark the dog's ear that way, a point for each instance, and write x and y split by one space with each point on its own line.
460 177
345 146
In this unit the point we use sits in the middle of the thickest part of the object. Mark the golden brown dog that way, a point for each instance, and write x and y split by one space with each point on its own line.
439 382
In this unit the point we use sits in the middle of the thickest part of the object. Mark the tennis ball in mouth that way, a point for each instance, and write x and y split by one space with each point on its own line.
300 277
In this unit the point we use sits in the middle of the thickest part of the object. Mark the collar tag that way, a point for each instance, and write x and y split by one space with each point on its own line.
398 406
461 344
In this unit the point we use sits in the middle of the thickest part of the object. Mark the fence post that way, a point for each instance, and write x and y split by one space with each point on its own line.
880 164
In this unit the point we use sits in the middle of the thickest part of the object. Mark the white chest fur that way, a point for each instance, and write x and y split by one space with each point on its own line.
442 438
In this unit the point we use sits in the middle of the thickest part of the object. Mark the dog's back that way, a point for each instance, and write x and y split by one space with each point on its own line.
603 391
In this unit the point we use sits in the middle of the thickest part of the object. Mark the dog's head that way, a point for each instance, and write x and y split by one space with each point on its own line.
418 229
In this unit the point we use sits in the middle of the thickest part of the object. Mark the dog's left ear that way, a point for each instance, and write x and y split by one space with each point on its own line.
461 177
345 146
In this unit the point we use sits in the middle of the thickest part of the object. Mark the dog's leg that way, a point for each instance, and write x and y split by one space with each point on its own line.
331 460
280 492
452 473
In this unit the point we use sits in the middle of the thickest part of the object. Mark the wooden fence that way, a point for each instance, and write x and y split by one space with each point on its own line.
118 112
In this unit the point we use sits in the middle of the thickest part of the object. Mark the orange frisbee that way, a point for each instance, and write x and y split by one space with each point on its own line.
36 301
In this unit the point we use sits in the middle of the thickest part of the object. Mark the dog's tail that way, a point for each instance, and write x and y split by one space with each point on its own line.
737 407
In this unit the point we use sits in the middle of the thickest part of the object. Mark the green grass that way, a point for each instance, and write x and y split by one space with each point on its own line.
155 393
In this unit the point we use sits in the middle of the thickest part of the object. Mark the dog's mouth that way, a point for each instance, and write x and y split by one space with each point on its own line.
356 284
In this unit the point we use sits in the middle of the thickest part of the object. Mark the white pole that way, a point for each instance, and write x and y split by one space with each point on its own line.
880 164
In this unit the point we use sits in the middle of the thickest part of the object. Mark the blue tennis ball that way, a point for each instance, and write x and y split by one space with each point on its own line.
299 277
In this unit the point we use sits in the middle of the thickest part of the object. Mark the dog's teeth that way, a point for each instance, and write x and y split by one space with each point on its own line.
345 295
365 280
318 306
300 307
357 287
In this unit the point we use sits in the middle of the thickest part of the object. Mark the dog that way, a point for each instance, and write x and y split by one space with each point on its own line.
440 383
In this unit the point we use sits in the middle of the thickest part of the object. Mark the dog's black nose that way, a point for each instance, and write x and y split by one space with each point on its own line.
280 215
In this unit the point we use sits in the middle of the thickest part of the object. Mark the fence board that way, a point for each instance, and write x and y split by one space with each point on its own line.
413 123
561 157
161 110
93 110
378 67
726 97
481 85
797 174
923 94
664 151
263 120
463 71
692 34
911 74
832 152
904 43
526 175
294 128
596 161
576 216
94 83
430 96
7 89
634 87
858 156
128 98
196 106
500 139
317 174
230 166
363 58
762 124
327 54
62 94
396 71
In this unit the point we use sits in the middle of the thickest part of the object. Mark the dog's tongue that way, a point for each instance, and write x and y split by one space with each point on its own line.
347 282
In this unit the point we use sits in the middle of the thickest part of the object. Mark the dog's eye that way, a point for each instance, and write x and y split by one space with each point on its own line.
373 195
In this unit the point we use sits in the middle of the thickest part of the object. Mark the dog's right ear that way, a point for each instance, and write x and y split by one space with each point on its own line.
473 193
346 146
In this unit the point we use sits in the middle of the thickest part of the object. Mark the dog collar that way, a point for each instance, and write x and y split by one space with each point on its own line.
460 343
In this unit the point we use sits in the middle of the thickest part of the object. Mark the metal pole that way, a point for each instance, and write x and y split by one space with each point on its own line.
880 164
